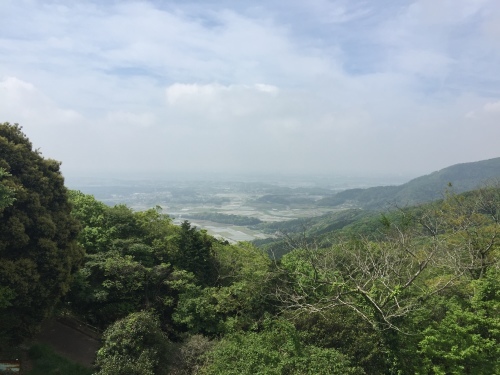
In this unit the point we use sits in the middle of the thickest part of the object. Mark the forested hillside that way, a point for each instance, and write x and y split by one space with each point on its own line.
322 230
463 177
388 296
415 290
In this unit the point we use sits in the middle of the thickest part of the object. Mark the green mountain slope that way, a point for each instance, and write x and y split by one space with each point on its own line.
321 231
463 177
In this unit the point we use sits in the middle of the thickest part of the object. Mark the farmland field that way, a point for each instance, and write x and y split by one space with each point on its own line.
268 201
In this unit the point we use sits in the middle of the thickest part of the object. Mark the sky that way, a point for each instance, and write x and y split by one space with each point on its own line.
153 88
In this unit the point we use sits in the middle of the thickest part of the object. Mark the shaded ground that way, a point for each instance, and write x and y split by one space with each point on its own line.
70 340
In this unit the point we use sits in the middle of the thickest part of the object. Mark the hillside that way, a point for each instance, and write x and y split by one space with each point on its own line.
322 231
463 177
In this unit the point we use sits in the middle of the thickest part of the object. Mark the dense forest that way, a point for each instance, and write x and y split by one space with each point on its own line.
412 290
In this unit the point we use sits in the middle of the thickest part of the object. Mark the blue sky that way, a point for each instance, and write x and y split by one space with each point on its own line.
150 88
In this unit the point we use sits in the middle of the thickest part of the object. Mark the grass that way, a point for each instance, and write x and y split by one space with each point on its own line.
46 362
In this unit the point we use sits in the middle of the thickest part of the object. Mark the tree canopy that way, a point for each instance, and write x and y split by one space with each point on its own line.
38 249
384 296
6 193
134 345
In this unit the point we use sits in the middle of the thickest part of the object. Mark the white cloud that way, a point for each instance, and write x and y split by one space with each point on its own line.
450 40
215 105
492 107
23 102
138 84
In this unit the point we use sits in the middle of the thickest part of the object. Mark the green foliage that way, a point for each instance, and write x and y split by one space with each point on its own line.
198 309
112 285
123 221
371 198
226 219
138 259
46 362
6 192
96 234
411 291
243 275
126 264
321 230
467 339
343 330
421 253
277 349
159 233
112 289
134 345
316 225
38 248
194 253
6 295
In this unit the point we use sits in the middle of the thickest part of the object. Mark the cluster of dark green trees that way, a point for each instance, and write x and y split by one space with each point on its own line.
415 293
226 218
38 248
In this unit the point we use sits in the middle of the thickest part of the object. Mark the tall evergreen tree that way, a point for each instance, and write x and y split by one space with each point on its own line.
195 253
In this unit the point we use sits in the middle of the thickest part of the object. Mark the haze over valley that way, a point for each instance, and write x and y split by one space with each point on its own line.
237 208
268 201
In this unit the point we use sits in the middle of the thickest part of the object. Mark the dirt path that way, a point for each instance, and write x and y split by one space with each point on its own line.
69 342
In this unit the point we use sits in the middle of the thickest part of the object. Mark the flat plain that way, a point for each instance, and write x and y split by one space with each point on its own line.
194 200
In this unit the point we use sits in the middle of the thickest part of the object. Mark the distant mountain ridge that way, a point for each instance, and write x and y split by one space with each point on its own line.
463 177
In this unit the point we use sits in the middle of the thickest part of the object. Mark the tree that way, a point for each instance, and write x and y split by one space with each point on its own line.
6 199
342 329
124 266
423 251
6 193
276 350
96 234
241 296
195 253
134 345
472 221
38 248
108 287
189 356
467 339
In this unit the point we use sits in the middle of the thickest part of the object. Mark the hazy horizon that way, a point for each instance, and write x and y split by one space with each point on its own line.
235 177
333 88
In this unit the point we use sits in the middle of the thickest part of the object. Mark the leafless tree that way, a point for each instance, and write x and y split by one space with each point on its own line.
423 252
